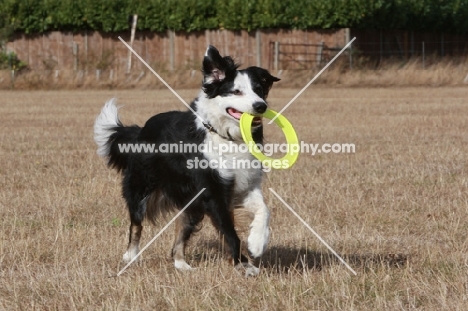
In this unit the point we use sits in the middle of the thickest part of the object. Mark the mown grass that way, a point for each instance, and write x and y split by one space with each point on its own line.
396 210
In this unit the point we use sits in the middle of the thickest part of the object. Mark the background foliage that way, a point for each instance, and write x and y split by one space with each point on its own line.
32 16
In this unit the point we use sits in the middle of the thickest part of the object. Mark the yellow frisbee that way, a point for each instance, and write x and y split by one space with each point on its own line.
291 139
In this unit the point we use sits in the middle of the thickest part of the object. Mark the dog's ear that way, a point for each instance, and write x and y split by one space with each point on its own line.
213 65
216 67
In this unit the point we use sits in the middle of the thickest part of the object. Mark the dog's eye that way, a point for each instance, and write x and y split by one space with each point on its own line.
236 92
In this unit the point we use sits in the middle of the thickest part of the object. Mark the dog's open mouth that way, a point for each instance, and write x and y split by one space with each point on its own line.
236 114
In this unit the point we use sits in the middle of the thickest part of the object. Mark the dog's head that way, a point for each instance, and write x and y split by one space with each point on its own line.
231 92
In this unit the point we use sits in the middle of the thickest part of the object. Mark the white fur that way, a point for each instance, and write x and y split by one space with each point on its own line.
250 270
214 110
242 102
259 231
130 254
247 188
247 181
182 265
105 121
244 179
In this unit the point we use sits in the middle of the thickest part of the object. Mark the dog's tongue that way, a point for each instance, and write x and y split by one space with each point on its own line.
235 113
238 114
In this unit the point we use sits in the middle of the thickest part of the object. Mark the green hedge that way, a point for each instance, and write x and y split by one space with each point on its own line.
33 16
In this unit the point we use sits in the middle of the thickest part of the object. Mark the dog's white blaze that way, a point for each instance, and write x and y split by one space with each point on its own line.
242 102
243 83
214 110
259 228
105 121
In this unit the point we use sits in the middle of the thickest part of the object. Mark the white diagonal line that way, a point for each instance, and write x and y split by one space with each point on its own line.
311 81
160 232
312 230
162 80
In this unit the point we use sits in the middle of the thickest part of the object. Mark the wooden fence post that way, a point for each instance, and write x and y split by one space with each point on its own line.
319 53
442 48
381 47
171 35
277 47
258 38
132 38
423 56
86 49
75 51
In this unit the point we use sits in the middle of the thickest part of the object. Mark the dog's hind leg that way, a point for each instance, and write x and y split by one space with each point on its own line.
186 224
133 242
136 218
136 203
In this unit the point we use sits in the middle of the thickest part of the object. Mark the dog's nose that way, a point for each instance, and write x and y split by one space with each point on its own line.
259 107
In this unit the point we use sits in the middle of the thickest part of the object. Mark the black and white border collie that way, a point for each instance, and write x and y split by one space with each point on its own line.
154 183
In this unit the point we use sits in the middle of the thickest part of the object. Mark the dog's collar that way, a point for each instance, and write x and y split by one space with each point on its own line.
210 128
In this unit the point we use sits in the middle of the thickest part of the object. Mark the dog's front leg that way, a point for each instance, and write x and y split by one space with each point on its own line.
259 228
222 220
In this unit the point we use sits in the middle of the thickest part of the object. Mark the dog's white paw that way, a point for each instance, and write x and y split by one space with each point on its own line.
129 255
258 241
182 265
250 270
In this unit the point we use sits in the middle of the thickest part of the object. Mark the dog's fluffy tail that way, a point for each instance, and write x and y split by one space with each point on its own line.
109 133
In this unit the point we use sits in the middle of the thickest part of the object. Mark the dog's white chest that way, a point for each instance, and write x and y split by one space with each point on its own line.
233 161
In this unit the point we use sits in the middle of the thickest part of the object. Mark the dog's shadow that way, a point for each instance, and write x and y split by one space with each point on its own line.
280 259
289 259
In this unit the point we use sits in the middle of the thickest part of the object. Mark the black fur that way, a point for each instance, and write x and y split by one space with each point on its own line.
155 183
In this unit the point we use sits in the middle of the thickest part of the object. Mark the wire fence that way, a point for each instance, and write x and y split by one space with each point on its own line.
284 56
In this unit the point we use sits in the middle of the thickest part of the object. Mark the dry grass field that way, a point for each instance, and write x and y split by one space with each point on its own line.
396 209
